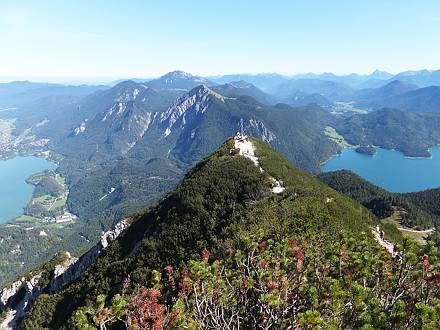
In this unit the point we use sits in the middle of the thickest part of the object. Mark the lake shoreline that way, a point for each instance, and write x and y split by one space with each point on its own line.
373 155
390 169
15 192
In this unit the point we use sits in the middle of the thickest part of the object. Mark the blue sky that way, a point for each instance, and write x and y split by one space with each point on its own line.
143 38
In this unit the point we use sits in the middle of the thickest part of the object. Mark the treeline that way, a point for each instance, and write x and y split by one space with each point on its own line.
420 209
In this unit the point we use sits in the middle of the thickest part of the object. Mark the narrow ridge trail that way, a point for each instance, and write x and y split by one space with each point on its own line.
384 243
247 149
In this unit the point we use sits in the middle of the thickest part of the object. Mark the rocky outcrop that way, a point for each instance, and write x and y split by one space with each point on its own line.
67 275
16 298
265 134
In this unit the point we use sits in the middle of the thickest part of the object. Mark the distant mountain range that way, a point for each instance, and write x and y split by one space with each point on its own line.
329 89
269 81
400 95
172 80
265 81
374 91
421 78
26 93
394 88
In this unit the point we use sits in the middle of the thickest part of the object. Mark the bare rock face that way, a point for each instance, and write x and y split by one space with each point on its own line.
68 274
16 298
58 280
266 135
188 105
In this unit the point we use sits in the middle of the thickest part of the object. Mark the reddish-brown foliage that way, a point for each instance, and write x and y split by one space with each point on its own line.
170 278
184 286
205 256
145 311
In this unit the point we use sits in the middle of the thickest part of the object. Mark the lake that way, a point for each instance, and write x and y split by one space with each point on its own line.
390 169
15 193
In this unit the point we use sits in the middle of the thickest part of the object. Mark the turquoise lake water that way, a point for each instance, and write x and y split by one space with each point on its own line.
15 193
390 169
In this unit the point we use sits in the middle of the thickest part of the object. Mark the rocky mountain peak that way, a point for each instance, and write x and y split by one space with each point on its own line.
179 76
178 80
202 92
195 102
131 93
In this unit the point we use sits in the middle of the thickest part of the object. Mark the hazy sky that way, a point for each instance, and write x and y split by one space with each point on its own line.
142 38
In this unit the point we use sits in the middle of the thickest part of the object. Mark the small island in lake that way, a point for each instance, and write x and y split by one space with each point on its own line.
418 153
366 150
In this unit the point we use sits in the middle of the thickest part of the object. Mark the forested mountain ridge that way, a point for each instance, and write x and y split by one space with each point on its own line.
194 125
400 95
420 208
243 88
115 126
428 200
375 97
425 99
417 210
309 250
412 134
